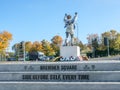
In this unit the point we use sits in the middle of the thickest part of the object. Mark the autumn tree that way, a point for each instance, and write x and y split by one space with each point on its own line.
47 48
56 43
36 46
28 46
117 42
5 38
112 39
57 40
96 44
111 35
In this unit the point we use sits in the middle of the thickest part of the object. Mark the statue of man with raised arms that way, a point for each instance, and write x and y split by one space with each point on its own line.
70 27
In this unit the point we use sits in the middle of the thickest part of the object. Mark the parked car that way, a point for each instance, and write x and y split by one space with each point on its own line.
11 59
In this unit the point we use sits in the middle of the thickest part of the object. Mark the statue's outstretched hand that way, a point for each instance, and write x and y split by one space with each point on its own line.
75 13
65 14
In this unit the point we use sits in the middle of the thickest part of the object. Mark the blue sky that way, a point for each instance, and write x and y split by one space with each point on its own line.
35 20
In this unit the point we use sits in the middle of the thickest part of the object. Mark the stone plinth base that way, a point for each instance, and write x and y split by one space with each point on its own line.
68 51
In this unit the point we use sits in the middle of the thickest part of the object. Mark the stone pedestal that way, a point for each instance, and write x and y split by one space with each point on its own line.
68 51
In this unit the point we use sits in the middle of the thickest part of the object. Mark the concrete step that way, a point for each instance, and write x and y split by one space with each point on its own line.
64 76
60 66
59 85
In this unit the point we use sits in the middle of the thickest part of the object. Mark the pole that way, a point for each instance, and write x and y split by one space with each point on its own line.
108 47
24 50
77 32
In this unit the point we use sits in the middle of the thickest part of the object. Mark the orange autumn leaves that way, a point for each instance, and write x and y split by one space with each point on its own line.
48 48
5 38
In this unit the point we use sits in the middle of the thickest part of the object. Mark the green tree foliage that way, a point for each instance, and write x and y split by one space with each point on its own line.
117 42
111 35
